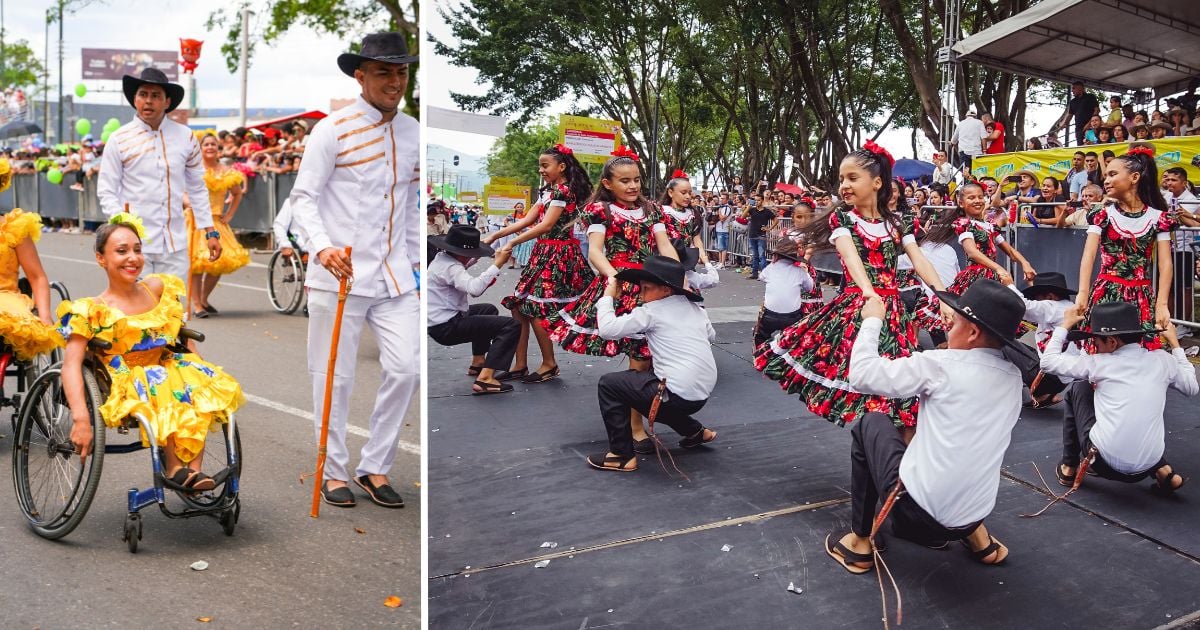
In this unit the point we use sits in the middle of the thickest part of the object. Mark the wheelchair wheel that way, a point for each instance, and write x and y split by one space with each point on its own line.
285 282
217 458
54 488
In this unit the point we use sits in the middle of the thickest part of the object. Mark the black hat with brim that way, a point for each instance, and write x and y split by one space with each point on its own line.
1113 319
152 76
1048 281
689 256
389 47
661 270
462 240
991 306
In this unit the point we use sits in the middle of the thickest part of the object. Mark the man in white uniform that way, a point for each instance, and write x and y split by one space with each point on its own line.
148 165
355 188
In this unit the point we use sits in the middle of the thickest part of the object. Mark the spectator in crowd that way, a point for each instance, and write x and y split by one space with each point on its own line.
1178 121
1141 132
1093 125
1051 193
229 146
1091 161
1177 190
1104 134
994 140
724 216
1082 106
1128 117
1120 133
1115 114
968 137
760 219
1026 191
1077 177
1159 130
1033 144
943 173
300 135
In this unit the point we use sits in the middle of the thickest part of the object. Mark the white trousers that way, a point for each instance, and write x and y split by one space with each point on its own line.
395 322
176 264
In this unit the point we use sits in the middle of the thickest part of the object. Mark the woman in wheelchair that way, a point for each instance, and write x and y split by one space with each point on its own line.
178 393
26 333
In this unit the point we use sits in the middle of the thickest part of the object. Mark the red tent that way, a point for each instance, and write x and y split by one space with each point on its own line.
310 115
789 188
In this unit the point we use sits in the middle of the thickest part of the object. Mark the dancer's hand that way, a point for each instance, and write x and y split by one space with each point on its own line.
947 314
336 261
1072 316
1162 315
1004 277
502 256
874 307
214 249
489 237
613 287
1029 271
1171 335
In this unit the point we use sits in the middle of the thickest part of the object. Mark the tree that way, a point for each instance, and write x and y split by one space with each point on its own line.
516 154
21 66
347 19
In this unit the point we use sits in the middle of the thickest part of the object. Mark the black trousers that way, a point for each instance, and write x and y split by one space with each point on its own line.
619 392
1030 368
1078 420
770 322
492 336
876 449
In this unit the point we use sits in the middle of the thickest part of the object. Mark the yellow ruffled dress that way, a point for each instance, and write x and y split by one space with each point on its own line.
233 255
19 327
180 394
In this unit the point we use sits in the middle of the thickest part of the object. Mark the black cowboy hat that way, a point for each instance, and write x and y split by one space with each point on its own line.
1112 319
991 306
386 47
661 270
1050 280
689 256
462 240
152 76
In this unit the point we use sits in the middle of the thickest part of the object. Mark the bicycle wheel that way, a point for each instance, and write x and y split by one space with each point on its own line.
285 282
54 488
216 458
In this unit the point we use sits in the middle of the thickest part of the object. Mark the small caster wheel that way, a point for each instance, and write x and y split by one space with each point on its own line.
133 532
228 520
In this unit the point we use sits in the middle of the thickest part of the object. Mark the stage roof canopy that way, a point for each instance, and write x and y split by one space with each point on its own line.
1110 45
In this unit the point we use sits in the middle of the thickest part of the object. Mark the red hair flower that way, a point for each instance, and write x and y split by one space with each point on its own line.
679 174
563 149
626 152
880 151
1141 150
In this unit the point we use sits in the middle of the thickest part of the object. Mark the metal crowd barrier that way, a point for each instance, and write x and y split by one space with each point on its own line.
256 213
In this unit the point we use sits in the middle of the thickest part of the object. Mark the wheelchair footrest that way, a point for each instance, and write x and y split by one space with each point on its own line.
123 448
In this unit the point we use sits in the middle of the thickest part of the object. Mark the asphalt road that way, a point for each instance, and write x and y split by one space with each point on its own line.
281 568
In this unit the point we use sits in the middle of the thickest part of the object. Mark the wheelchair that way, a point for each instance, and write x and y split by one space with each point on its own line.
285 279
54 489
26 371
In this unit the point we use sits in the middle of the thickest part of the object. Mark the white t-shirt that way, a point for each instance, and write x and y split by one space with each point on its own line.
969 135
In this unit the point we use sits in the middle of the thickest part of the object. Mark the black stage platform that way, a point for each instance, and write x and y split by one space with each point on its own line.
509 490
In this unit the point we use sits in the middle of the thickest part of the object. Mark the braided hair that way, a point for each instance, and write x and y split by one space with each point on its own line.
1147 187
941 229
575 176
878 163
604 195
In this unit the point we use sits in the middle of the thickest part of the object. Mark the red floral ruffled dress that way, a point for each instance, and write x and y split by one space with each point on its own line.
986 237
812 357
1127 260
680 224
628 240
556 273
810 301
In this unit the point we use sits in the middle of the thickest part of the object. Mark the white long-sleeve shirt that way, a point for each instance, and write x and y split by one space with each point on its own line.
970 400
1131 393
786 285
355 189
449 284
701 280
150 170
679 335
283 224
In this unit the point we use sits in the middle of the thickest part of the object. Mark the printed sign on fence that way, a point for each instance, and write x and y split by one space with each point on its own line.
468 197
592 139
502 199
1168 152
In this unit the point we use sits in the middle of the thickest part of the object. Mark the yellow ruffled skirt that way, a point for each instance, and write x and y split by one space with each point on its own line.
181 395
22 330
233 255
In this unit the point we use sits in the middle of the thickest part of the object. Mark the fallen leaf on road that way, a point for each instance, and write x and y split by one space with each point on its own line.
360 530
204 619
199 565
417 484
393 602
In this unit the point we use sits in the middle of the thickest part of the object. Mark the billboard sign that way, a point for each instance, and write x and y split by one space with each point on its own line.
110 64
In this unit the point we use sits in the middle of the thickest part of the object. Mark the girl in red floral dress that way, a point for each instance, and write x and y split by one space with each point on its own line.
556 273
683 230
802 218
979 240
812 357
624 228
1127 233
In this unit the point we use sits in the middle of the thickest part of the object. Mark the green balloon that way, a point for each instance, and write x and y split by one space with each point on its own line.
54 176
83 126
104 136
60 147
112 124
80 90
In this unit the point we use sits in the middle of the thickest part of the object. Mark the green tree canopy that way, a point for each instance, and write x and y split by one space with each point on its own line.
21 66
516 154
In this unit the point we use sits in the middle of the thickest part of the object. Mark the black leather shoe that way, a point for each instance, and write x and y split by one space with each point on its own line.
383 496
340 497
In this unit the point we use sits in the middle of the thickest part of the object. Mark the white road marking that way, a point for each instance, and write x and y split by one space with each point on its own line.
224 284
303 414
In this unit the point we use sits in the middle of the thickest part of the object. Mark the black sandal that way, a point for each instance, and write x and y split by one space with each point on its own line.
1043 402
1166 486
993 547
508 375
1063 478
473 370
189 481
541 377
490 388
601 461
848 557
697 440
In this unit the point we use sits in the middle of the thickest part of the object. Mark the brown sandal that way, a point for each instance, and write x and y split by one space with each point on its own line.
615 463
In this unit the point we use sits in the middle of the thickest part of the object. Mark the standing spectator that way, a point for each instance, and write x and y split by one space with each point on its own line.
760 218
1077 177
994 140
968 138
1115 116
1129 116
1091 162
943 173
299 136
1184 204
1082 106
724 216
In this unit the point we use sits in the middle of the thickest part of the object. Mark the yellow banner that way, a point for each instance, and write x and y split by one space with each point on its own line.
468 196
592 139
502 199
504 181
1168 152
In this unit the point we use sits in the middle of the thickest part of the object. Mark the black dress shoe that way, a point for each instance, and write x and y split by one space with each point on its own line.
340 497
383 496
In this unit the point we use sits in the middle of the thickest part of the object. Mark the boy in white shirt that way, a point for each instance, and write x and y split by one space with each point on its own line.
453 321
947 478
1118 424
787 282
1046 299
684 372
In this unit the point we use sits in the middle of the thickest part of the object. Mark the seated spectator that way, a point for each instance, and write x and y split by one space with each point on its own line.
1054 215
1141 132
1159 130
1104 134
1092 196
1120 134
1033 144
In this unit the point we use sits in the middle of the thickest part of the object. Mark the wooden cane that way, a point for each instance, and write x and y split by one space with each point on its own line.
319 476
